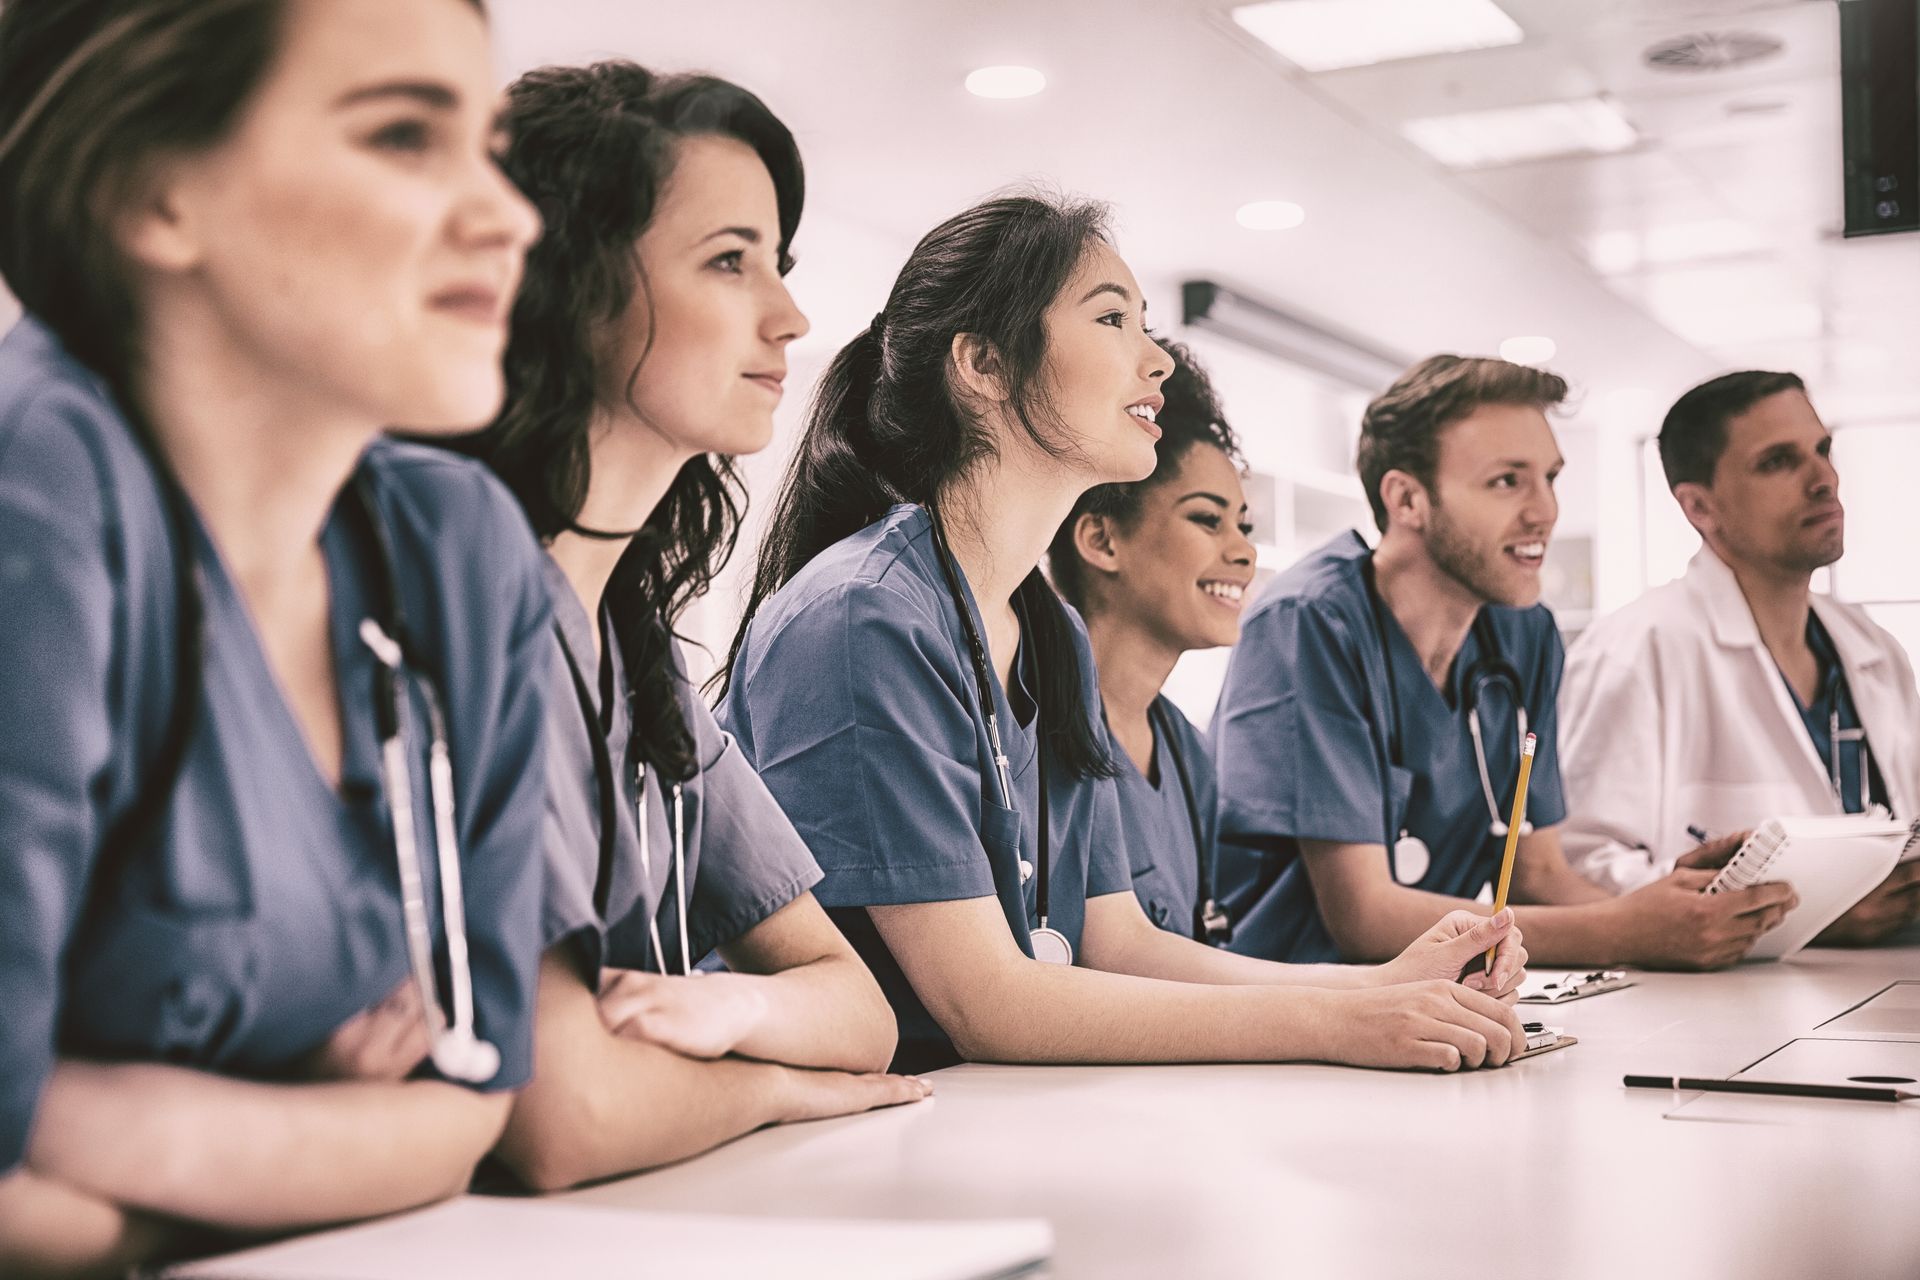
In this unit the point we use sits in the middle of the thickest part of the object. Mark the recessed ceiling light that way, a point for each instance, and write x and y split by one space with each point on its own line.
1621 252
1328 35
1510 135
1534 350
1005 82
1506 135
1270 215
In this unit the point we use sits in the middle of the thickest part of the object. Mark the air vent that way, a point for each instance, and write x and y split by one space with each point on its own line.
1710 51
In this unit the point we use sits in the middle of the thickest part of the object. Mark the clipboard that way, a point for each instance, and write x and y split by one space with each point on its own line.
1543 1039
1548 986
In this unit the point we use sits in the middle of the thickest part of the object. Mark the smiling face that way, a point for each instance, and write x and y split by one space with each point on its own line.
1181 568
1493 507
352 241
700 358
1775 497
1104 371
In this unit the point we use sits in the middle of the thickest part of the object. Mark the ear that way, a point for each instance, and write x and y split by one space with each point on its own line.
156 229
1093 542
1407 501
977 366
1696 504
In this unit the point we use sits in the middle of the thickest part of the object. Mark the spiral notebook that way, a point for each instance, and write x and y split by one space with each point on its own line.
1832 861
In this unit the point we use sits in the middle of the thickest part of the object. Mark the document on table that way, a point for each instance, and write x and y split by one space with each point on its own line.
487 1238
1555 986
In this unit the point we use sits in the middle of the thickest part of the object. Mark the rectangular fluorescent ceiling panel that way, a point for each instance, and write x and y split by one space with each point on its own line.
1508 135
1330 35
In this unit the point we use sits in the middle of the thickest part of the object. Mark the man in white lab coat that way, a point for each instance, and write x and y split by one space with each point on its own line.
1736 694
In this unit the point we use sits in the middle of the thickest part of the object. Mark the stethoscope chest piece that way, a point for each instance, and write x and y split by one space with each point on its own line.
1411 859
1050 946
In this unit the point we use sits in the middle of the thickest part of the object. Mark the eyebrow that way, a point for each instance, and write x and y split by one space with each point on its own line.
1108 287
424 92
1210 497
1522 464
749 234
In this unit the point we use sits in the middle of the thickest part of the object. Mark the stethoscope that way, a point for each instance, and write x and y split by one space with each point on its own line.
1210 923
1836 736
457 1052
455 1048
609 798
1049 944
1411 856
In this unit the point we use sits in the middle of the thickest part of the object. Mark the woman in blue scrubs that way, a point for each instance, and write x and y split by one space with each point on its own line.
272 690
924 707
649 347
1156 568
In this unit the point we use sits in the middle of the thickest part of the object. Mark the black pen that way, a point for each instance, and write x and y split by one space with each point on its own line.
1847 1092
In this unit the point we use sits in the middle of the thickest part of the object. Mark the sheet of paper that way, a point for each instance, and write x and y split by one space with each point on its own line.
487 1238
1894 1014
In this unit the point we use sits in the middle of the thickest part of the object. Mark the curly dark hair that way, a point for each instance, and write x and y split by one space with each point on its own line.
593 147
1191 415
1400 430
888 426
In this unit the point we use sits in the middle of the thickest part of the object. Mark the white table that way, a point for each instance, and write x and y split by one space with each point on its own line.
1547 1168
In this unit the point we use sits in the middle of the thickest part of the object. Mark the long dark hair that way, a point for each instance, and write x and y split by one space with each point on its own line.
887 424
90 91
1191 416
593 147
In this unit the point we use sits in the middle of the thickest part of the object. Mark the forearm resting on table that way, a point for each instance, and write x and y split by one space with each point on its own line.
247 1156
997 1005
50 1229
1370 916
1119 938
602 1104
823 1008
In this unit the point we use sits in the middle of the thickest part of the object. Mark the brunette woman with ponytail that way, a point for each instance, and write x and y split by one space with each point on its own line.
648 347
926 709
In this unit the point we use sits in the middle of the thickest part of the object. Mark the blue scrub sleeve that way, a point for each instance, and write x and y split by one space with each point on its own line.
570 821
55 638
1546 794
1297 755
501 780
1109 869
752 861
863 732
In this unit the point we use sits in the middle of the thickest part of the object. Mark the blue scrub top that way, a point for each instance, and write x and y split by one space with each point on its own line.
1159 825
1832 707
1301 746
264 910
854 697
744 860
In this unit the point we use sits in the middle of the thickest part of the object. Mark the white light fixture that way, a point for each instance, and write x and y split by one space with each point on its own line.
1005 82
1270 215
1507 135
1328 35
1530 350
1616 253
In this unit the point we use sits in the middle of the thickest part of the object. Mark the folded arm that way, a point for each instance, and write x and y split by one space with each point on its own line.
247 1156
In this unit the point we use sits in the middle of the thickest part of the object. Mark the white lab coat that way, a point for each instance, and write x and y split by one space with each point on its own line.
1673 713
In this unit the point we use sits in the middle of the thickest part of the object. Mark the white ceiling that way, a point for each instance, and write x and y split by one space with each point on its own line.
1176 116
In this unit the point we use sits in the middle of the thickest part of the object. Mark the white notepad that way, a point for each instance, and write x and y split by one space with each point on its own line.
487 1238
1832 861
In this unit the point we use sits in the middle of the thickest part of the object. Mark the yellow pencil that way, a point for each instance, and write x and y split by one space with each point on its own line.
1513 836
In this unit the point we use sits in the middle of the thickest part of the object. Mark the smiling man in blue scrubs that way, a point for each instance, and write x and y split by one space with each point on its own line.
1368 735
